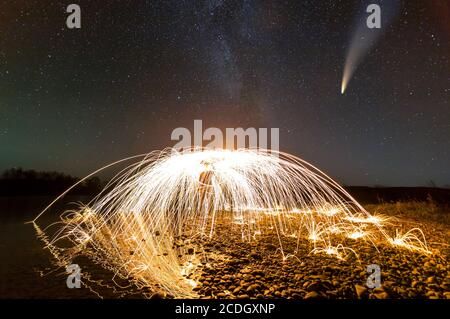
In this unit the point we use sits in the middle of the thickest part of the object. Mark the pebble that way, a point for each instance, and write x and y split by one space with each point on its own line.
360 291
251 270
252 288
381 295
315 286
312 295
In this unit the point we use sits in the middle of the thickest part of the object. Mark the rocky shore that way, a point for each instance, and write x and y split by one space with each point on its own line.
258 270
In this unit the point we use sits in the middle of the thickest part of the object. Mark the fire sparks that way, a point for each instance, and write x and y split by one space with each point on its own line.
145 224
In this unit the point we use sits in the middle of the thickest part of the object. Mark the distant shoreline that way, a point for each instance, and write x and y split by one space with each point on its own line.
363 194
375 195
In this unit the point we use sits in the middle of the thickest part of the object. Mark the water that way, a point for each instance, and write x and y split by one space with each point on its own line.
25 267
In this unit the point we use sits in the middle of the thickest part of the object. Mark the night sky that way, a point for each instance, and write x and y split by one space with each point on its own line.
74 100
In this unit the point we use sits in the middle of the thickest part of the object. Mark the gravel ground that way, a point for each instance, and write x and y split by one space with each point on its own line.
257 269
232 268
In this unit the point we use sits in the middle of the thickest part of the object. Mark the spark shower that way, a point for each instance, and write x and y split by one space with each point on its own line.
132 228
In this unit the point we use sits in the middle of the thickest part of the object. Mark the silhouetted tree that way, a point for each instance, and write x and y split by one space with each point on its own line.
17 181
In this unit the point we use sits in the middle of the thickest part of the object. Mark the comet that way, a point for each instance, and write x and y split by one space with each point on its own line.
364 38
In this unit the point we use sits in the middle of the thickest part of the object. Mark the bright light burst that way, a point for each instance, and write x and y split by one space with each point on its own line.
146 221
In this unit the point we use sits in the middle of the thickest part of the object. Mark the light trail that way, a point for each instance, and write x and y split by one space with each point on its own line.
144 223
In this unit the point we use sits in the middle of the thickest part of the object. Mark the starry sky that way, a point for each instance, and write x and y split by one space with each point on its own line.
73 100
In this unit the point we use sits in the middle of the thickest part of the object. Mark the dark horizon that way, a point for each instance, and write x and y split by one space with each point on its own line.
105 178
75 100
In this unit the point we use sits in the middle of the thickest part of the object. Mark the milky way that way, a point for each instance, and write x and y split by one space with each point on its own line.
73 100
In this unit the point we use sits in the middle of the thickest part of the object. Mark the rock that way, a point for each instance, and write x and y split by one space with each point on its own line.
255 255
208 292
197 288
158 295
445 286
235 291
320 278
246 270
381 295
412 294
297 277
378 290
314 286
401 291
389 283
430 294
360 291
252 288
258 273
205 279
312 295
241 265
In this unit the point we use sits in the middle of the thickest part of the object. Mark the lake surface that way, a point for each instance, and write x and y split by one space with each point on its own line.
25 266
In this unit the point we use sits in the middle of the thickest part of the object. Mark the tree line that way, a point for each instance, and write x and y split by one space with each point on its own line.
18 181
